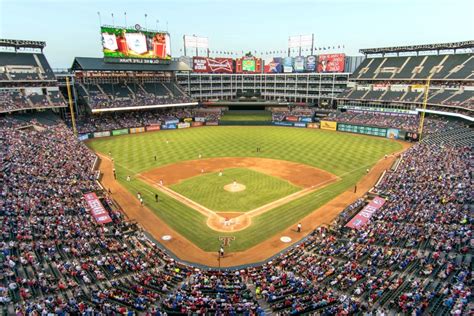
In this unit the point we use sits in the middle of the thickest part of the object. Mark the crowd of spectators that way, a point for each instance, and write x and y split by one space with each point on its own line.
13 100
413 257
409 123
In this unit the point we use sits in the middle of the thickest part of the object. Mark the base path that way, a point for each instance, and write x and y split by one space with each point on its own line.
187 251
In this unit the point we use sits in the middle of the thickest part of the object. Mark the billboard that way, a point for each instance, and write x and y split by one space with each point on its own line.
274 66
213 65
298 64
288 64
135 43
248 65
96 208
331 63
310 65
366 213
329 125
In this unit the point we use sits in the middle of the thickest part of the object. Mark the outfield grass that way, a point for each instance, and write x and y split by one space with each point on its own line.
245 116
208 190
343 154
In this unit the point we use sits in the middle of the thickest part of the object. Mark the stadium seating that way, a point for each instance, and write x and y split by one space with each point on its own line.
414 256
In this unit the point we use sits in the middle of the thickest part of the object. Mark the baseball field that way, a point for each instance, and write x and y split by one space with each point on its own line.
247 183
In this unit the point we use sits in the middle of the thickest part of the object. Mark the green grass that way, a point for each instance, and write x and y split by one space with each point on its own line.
343 154
208 190
243 116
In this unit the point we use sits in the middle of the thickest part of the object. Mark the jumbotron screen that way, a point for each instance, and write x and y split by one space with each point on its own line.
135 43
248 65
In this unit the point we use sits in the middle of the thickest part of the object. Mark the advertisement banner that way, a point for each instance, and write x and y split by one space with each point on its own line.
366 213
153 128
135 130
171 122
299 64
168 126
83 136
184 125
199 119
392 133
120 132
212 123
305 119
213 65
362 129
331 63
288 64
96 208
196 124
188 119
274 66
312 125
283 123
101 134
135 43
248 65
310 65
299 124
329 125
291 118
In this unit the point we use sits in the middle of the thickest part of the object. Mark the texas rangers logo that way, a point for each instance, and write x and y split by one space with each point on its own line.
225 240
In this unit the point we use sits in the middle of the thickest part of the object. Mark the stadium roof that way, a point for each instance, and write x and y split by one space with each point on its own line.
415 48
98 64
21 43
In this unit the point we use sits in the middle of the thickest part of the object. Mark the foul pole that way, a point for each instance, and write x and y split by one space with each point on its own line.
71 109
425 102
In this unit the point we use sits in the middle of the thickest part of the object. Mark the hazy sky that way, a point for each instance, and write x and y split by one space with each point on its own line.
71 27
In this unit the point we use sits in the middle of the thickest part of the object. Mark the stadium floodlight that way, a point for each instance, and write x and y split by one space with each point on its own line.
300 41
193 41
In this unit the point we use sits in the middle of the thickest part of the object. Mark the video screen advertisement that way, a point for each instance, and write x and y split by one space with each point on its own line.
213 65
135 45
248 65
331 63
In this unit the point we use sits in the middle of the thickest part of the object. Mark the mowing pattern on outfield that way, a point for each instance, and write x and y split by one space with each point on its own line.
208 191
345 155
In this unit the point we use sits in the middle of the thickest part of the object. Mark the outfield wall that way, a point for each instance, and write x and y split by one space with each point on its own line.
392 133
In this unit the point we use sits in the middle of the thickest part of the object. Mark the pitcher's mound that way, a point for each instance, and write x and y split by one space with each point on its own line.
234 187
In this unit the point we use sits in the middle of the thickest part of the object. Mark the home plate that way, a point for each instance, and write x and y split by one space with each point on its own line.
166 237
285 239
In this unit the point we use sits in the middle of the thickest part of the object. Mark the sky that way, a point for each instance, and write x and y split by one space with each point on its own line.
71 27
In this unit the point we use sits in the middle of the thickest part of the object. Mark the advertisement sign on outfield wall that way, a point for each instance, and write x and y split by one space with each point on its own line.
213 65
329 125
299 124
188 119
331 63
305 119
199 119
312 125
153 128
392 133
212 123
135 130
101 134
283 123
197 124
184 125
167 122
122 131
169 126
291 118
83 136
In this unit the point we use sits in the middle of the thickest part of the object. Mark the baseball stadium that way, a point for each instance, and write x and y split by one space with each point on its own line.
162 177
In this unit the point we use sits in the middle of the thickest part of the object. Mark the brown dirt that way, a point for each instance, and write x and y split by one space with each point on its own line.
186 250
298 174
